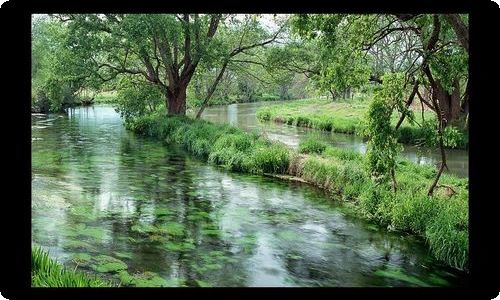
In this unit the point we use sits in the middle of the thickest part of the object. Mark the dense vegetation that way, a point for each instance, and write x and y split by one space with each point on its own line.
392 78
46 272
442 219
349 117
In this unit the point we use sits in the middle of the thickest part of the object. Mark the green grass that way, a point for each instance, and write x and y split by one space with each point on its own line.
222 145
347 117
46 272
441 219
105 97
312 145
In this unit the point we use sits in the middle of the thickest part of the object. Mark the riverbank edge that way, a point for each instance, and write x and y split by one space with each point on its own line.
46 272
442 220
409 135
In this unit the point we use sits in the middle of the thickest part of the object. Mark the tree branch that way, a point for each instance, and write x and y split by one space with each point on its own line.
460 29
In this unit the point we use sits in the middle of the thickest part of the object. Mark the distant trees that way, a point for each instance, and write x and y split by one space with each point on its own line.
58 79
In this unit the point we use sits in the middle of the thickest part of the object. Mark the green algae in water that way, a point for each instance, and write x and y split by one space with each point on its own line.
202 283
148 279
84 212
178 246
105 263
81 258
128 255
211 232
293 256
77 244
172 228
248 243
144 228
127 239
397 274
94 232
206 267
289 235
157 238
435 280
198 216
162 211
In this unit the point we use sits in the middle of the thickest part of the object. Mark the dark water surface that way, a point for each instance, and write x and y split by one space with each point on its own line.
243 116
131 208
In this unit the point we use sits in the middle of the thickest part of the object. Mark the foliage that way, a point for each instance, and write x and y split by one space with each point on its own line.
46 272
382 147
56 74
137 98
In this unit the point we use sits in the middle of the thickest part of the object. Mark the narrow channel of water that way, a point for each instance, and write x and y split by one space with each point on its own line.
243 116
133 208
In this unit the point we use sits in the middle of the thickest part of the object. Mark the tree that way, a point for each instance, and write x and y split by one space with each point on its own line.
431 51
241 37
58 77
165 49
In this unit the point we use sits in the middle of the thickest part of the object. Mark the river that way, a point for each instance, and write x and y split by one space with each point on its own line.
106 200
243 116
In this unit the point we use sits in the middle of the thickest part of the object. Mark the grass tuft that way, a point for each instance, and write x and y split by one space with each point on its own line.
49 273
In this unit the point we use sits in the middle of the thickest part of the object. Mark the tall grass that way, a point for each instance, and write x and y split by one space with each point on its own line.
223 145
48 273
440 219
344 117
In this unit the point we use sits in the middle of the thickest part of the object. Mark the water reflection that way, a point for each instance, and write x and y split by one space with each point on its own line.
148 214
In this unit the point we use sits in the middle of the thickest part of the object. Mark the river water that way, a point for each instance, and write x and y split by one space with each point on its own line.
107 201
243 116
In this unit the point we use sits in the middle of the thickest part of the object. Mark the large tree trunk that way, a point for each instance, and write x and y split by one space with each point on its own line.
176 100
449 104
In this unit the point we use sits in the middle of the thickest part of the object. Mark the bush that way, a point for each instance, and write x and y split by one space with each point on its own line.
264 115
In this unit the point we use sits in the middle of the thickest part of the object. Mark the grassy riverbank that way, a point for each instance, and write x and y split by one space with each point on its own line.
46 272
347 117
442 219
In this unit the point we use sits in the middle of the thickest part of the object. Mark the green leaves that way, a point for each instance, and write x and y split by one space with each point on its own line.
383 147
137 98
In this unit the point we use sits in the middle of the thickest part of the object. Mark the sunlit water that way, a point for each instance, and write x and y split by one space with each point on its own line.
243 116
108 201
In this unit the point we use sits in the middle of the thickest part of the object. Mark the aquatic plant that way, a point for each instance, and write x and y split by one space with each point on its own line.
46 272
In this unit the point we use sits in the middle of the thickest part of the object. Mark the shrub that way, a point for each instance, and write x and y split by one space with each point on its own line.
263 114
